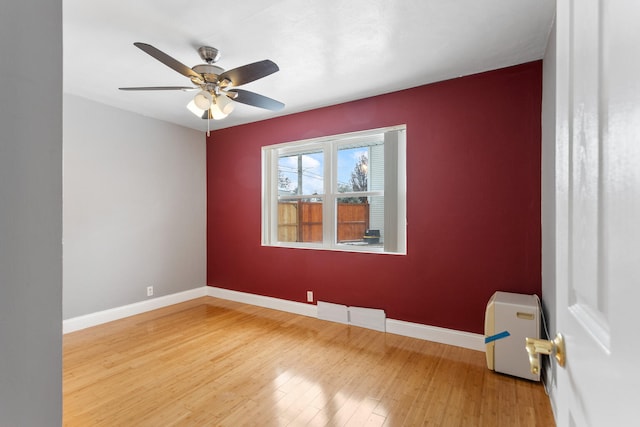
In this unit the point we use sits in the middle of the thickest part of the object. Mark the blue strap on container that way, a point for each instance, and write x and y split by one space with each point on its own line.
495 337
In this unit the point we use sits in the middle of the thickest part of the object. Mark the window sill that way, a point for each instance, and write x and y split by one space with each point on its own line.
360 248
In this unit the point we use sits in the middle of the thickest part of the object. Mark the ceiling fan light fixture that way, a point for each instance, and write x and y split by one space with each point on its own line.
224 104
191 106
217 113
203 100
214 111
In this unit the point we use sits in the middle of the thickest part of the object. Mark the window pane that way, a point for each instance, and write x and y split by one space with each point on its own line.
300 220
353 165
360 221
301 174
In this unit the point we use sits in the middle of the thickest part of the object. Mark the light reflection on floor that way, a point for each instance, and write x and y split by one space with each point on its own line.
300 401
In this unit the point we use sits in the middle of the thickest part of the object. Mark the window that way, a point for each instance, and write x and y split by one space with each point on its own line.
341 192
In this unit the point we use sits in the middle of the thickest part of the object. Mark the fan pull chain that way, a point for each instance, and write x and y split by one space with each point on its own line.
208 121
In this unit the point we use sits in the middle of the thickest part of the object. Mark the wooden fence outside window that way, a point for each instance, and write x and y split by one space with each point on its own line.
302 221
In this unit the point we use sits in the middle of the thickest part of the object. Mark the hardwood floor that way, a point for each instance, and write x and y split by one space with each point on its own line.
212 362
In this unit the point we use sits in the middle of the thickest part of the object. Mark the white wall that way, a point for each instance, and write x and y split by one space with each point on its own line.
30 213
134 207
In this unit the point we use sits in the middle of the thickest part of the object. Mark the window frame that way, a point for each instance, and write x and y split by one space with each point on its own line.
394 192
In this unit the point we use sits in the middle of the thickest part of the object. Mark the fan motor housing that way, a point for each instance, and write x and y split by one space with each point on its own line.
208 71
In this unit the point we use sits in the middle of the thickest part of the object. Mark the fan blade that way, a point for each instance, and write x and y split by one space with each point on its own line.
185 88
256 100
248 73
167 60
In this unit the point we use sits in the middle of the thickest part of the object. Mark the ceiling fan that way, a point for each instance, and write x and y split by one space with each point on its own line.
217 86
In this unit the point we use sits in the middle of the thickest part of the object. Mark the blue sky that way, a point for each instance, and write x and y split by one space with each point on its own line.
312 167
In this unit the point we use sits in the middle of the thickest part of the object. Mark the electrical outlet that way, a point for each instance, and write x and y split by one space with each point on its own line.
149 291
309 296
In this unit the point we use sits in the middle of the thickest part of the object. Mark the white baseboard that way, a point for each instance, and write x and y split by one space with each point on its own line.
434 333
310 310
100 317
414 330
398 327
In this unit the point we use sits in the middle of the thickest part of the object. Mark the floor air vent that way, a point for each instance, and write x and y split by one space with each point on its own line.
369 318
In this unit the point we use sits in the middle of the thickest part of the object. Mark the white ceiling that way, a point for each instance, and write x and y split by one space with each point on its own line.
328 51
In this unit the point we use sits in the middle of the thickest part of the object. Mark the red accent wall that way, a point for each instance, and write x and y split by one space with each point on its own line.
473 202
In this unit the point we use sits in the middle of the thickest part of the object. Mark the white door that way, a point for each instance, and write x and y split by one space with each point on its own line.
598 211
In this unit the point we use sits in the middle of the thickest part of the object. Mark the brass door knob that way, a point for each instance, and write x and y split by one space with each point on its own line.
536 346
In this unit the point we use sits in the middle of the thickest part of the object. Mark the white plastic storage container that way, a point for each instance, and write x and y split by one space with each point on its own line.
509 319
